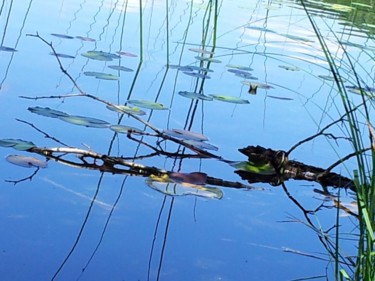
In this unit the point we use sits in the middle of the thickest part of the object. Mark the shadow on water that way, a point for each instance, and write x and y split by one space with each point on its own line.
167 75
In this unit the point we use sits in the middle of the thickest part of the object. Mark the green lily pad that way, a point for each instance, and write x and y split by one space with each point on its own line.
26 161
290 68
120 67
168 186
106 76
197 75
64 56
100 55
239 67
125 129
195 96
126 109
101 75
230 99
207 59
184 134
86 39
201 51
85 121
47 112
148 104
127 54
17 144
201 145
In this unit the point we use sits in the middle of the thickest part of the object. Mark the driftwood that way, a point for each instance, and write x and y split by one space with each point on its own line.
284 169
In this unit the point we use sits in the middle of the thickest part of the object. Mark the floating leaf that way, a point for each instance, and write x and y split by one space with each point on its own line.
367 91
290 68
167 186
7 49
63 36
279 98
126 109
262 169
101 75
100 55
120 67
64 56
106 76
85 121
230 99
239 67
331 78
148 104
201 51
127 54
48 112
17 144
257 85
201 145
125 129
197 75
26 161
208 59
193 95
197 68
86 39
184 134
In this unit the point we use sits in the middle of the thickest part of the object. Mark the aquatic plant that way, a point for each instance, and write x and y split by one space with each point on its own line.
362 267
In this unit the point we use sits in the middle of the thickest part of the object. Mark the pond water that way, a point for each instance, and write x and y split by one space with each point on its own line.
65 222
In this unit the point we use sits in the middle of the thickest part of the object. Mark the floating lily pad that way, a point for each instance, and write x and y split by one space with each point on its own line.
125 129
201 51
64 56
279 98
120 67
106 76
148 104
48 112
100 55
7 49
85 121
367 91
184 134
208 59
86 39
195 96
17 144
127 54
168 186
126 109
239 67
197 68
197 75
201 145
230 99
290 68
257 85
26 161
101 75
63 36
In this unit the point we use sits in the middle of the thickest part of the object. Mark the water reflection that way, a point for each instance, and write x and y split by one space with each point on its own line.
227 77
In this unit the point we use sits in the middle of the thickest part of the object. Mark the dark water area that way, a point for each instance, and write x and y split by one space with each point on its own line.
150 191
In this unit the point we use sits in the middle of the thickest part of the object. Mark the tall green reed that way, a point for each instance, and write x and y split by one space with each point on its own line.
364 175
